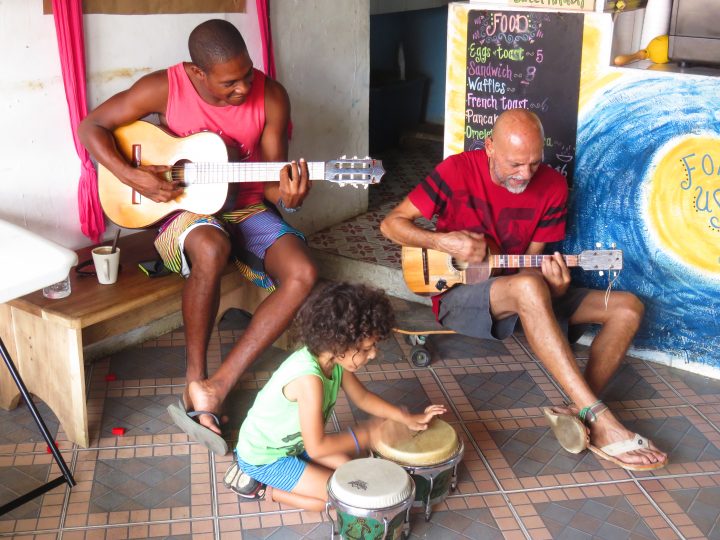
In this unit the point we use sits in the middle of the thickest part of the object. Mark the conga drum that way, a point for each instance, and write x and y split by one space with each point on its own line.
431 457
372 498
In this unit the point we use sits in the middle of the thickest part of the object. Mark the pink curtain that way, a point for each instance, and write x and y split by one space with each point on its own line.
69 29
263 12
266 37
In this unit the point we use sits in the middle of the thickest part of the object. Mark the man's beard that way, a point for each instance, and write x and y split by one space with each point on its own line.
505 182
516 190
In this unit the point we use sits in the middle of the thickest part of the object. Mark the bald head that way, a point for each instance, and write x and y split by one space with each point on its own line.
515 149
215 42
518 125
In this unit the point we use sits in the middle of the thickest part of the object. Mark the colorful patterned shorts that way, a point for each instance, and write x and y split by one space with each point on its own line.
251 230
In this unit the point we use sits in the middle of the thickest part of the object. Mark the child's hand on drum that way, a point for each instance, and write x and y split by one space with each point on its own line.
419 422
369 432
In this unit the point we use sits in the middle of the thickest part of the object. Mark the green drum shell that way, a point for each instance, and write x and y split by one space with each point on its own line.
353 527
441 474
369 524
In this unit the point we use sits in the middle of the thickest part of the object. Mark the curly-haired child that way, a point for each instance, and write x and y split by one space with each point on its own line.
282 443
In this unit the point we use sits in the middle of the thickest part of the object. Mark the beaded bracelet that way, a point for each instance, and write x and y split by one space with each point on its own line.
357 443
281 204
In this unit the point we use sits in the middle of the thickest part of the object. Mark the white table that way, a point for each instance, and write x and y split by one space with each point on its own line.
30 262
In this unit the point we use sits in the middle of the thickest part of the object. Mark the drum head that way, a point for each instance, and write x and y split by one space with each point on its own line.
371 484
437 444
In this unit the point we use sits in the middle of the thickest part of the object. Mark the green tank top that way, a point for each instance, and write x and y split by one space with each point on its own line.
272 428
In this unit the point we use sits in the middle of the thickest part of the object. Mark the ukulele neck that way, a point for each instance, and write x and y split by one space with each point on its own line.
527 261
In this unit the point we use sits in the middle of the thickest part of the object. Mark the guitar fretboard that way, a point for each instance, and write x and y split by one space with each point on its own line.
527 261
221 173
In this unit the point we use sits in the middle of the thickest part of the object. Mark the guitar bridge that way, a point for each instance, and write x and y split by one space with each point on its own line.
136 150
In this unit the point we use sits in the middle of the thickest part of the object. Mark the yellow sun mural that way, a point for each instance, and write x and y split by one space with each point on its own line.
683 201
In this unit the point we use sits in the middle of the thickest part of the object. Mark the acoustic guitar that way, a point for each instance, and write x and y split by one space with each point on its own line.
427 271
200 162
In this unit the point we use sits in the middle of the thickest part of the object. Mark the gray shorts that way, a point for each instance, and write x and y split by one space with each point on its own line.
466 309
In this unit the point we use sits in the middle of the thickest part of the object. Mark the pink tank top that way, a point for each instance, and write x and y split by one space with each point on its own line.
240 126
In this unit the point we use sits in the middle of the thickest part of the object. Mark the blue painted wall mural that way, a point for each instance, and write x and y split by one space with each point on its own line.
648 178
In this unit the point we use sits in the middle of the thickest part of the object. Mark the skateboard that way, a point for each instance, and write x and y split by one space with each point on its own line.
416 326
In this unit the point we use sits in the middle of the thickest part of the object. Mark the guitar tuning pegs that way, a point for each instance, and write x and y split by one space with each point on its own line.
355 186
598 244
601 273
365 186
343 156
355 157
341 184
613 245
366 157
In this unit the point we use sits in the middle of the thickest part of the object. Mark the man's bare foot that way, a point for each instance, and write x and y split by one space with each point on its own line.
608 430
187 402
201 396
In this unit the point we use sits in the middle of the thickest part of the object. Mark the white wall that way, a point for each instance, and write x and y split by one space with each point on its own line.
322 55
40 169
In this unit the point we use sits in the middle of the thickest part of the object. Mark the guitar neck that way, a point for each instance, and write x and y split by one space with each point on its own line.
526 261
223 173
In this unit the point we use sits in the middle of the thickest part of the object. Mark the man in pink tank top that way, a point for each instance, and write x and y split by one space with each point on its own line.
218 91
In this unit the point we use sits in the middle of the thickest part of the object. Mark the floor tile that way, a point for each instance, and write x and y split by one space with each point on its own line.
696 389
711 413
636 385
138 415
18 425
18 481
593 512
691 503
502 390
498 390
143 482
693 445
523 454
264 366
148 363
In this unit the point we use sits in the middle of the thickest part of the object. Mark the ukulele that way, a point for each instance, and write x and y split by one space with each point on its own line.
200 162
427 271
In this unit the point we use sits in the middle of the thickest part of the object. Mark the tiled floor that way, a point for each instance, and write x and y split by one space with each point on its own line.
514 481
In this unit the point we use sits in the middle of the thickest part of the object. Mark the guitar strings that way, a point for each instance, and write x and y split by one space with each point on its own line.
217 172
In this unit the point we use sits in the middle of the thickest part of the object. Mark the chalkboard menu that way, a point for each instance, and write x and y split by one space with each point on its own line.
528 60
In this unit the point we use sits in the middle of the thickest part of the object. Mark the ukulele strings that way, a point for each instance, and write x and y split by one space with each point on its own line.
612 278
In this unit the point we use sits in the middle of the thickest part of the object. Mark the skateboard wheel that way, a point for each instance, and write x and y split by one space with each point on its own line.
416 339
420 356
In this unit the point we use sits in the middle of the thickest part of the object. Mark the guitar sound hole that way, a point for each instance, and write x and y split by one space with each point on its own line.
178 172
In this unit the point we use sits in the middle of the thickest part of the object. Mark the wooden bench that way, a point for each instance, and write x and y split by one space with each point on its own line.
50 339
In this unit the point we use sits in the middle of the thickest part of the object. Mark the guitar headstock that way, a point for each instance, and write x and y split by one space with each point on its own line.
354 172
601 259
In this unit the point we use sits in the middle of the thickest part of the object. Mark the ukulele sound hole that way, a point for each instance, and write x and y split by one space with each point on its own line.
458 264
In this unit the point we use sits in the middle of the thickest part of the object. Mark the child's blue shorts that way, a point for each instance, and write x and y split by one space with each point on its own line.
282 474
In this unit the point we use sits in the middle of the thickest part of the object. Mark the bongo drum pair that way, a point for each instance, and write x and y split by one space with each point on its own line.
430 457
372 498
